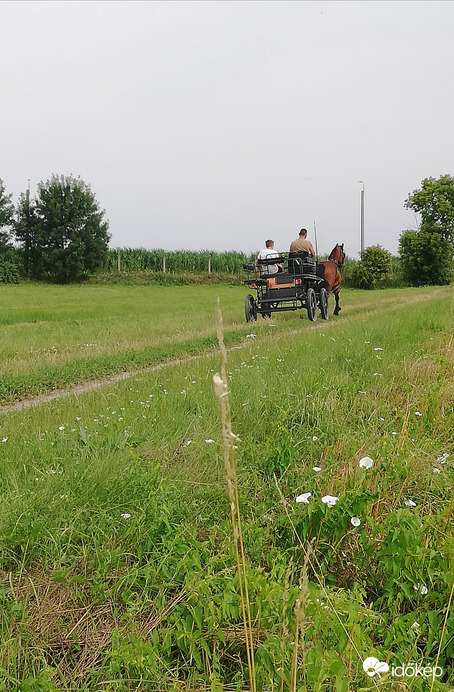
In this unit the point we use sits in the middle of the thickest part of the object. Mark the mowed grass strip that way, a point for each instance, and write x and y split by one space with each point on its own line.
115 513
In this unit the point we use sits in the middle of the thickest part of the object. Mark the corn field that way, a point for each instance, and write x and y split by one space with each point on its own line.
137 260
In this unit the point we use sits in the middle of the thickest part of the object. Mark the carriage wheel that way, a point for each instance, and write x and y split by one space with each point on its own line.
311 304
250 309
323 304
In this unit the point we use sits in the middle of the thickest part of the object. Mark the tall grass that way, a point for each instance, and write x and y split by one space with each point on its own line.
228 438
118 564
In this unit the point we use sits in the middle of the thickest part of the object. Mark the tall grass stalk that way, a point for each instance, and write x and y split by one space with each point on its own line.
299 621
228 438
317 571
448 608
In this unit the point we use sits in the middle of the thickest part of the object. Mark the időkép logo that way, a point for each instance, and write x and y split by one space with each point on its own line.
373 666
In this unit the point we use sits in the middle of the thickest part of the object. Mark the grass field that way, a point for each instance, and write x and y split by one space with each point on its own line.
118 567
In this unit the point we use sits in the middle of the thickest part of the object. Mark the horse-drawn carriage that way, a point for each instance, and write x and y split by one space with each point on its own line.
302 283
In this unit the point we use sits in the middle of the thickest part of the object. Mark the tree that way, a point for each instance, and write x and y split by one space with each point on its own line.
435 203
9 261
63 234
426 258
6 217
25 229
427 254
373 268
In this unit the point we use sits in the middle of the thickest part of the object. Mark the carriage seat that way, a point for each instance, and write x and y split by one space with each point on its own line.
296 261
265 265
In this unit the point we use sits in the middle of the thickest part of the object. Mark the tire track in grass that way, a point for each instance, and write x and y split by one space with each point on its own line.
92 385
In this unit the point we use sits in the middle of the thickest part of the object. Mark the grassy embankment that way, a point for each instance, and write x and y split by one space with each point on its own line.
118 570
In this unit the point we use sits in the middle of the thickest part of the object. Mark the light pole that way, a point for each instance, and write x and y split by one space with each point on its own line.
362 216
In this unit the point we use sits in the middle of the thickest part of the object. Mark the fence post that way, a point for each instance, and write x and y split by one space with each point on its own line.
209 264
164 263
118 260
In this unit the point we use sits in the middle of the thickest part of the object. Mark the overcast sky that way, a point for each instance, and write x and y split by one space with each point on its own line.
218 124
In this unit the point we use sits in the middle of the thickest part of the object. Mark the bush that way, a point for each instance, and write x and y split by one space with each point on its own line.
9 271
426 258
373 270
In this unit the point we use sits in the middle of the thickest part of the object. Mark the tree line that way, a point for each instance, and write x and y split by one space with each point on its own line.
61 235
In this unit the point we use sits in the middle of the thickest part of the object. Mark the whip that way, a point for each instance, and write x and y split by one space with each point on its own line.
315 236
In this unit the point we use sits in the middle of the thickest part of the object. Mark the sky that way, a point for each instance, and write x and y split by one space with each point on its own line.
216 125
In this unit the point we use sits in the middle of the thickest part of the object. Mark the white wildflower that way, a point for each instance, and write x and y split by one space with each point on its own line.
441 459
209 441
418 414
366 463
435 470
314 438
422 588
125 515
304 498
330 500
377 348
409 503
317 469
355 521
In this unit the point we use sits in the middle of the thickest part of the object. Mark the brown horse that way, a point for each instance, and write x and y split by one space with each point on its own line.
329 271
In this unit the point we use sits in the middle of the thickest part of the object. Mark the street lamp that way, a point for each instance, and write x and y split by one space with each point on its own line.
362 216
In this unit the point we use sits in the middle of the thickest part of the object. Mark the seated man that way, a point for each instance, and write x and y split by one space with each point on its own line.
301 244
268 252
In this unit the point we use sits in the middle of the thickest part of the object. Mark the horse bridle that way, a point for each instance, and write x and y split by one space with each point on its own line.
339 266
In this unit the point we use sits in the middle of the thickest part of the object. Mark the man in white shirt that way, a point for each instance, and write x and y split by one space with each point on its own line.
268 252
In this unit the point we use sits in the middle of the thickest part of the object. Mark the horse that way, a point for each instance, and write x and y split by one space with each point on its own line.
329 271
